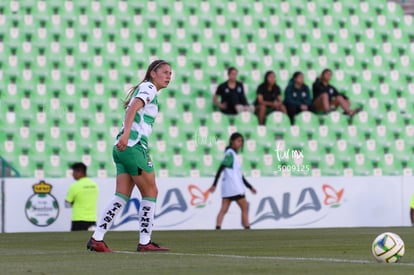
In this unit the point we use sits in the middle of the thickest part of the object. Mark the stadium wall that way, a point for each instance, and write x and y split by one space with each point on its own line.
1 205
31 205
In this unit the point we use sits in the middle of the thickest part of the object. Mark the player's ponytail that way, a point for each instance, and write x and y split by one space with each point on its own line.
152 67
233 137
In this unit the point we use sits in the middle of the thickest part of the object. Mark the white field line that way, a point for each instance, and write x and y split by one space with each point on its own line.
274 258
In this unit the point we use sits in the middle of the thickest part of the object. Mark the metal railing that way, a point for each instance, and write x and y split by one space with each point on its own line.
7 170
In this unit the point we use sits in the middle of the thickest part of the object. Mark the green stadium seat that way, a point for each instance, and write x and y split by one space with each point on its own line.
399 150
249 164
393 10
343 151
336 122
330 167
383 136
408 134
360 166
225 129
296 138
267 161
278 123
161 170
308 122
372 150
264 138
179 167
390 166
325 136
209 165
56 171
394 123
176 138
161 158
406 23
203 104
365 122
312 151
246 118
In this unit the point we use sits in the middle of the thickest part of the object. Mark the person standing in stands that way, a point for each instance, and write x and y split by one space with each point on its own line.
232 97
297 96
326 97
268 98
82 197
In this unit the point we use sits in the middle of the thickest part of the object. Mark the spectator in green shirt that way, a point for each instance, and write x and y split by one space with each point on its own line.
82 197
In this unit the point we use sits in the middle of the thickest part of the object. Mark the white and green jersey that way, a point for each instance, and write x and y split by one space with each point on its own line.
232 180
142 125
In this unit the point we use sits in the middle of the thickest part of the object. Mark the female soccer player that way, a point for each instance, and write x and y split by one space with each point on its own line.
268 97
326 96
133 163
232 188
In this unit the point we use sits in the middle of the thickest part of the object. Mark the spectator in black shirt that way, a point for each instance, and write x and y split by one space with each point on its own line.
297 96
233 100
326 97
268 98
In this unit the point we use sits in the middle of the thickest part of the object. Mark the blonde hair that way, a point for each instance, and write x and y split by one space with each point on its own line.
152 67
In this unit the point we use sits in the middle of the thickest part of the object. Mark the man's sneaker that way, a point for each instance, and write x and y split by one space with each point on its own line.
98 246
150 247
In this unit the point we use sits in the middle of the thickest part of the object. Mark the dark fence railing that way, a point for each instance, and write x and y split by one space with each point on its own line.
7 170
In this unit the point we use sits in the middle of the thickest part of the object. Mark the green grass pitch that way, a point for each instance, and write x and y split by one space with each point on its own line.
299 251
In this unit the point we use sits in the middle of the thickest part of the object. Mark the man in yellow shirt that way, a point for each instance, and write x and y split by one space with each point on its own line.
412 209
82 196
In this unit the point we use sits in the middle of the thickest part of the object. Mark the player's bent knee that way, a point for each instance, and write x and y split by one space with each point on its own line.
150 191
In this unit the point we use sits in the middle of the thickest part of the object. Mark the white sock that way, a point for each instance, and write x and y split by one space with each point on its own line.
146 219
108 216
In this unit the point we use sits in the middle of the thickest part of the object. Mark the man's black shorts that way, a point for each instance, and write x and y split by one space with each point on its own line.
81 225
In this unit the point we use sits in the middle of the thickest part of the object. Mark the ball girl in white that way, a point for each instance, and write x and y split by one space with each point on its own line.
233 182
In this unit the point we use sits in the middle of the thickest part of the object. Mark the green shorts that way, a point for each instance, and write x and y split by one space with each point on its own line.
133 160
